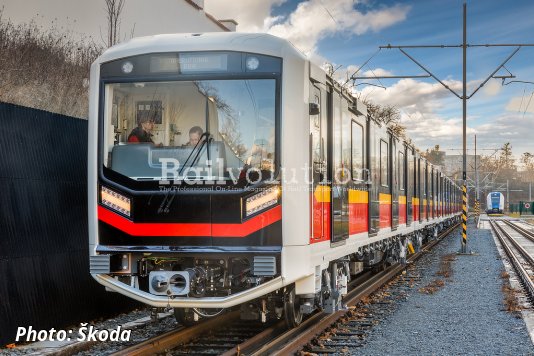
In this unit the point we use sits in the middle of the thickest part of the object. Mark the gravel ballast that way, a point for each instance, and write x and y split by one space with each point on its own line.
465 316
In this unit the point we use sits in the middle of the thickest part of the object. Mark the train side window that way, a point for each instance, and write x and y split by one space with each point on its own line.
424 179
401 170
357 151
384 179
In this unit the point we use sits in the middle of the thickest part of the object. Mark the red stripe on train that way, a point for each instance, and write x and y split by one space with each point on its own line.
402 213
358 218
191 229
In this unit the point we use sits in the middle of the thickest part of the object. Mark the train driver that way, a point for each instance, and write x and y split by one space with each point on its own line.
143 132
194 136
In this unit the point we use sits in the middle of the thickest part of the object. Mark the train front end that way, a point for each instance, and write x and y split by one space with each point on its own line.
184 193
495 203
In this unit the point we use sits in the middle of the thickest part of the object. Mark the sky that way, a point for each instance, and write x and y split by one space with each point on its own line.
347 33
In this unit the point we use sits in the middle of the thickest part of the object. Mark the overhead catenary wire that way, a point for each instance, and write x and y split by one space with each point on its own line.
528 104
523 97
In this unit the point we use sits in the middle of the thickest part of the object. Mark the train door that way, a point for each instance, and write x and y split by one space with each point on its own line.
394 178
410 186
401 179
421 188
320 189
384 187
358 194
340 220
431 191
424 171
441 195
372 157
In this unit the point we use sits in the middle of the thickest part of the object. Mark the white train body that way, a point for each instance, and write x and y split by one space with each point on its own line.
311 191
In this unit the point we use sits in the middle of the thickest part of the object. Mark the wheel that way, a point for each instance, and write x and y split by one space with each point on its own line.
292 313
185 316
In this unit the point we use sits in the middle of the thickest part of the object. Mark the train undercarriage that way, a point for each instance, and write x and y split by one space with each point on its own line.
219 276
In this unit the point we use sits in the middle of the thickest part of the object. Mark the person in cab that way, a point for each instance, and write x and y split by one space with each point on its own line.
143 132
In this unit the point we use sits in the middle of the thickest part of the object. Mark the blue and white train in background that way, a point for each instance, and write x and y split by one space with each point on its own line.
495 203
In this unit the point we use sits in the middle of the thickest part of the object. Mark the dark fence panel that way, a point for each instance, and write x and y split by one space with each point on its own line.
44 263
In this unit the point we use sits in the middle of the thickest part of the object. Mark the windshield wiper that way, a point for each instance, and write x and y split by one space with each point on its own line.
204 139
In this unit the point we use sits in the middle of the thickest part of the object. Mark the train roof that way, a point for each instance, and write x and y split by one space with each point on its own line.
260 43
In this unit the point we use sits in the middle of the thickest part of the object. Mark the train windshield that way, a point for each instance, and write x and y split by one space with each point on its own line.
205 129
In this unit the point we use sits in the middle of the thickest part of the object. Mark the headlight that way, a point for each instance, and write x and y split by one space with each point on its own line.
263 200
115 201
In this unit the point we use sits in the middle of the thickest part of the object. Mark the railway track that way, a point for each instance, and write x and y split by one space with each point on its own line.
227 335
517 240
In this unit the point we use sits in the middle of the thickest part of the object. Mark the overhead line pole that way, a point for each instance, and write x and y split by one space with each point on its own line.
464 96
464 125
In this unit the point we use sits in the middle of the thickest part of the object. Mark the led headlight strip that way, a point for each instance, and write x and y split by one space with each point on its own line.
262 200
115 201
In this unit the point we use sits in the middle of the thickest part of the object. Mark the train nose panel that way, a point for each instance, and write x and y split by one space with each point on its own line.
178 219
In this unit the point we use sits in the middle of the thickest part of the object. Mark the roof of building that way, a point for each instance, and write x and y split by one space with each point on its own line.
210 17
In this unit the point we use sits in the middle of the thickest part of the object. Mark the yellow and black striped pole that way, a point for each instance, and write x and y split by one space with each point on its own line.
464 219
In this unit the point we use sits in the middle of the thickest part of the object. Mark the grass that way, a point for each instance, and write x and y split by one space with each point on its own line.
445 271
45 69
510 295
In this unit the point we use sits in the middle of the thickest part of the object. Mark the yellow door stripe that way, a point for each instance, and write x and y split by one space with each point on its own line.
322 194
402 199
384 198
358 196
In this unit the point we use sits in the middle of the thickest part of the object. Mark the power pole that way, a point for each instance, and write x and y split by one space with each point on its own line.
463 97
463 249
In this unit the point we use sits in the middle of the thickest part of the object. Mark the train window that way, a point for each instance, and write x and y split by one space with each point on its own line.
384 150
424 178
345 138
338 162
167 119
401 170
357 151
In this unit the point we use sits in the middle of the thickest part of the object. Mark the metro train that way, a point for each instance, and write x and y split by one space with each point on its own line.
495 203
290 191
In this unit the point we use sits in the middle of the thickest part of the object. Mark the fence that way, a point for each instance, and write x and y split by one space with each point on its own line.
44 278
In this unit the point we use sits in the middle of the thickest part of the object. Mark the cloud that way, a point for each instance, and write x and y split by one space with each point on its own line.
521 104
252 15
317 19
412 95
492 88
509 127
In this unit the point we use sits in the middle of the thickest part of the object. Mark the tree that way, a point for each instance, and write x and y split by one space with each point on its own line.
435 156
114 9
388 115
527 160
506 160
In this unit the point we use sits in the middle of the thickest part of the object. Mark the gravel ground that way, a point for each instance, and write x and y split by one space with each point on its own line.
466 316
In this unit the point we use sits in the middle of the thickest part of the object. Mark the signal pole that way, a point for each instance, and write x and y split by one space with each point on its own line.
463 97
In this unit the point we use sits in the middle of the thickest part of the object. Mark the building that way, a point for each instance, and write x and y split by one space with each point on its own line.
88 19
174 16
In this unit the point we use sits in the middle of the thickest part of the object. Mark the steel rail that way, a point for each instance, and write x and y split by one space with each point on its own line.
529 235
174 338
527 256
521 272
295 339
